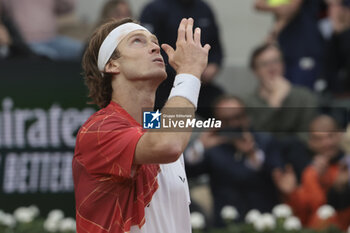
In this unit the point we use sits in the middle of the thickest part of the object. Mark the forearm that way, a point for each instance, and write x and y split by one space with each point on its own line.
313 188
167 144
262 5
288 9
183 106
189 60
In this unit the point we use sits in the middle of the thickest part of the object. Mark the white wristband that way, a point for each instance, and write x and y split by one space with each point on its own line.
187 86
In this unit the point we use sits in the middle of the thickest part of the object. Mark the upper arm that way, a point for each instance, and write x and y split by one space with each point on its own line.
313 189
290 10
297 3
284 9
153 147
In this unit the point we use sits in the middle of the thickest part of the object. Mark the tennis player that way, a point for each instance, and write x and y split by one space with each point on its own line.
127 179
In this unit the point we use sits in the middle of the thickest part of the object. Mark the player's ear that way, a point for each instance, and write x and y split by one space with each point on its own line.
112 67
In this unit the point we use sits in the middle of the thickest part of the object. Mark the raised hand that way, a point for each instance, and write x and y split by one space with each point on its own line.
320 163
5 38
190 56
279 88
286 180
342 179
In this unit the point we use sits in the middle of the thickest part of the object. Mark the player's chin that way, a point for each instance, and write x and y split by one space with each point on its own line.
161 74
165 75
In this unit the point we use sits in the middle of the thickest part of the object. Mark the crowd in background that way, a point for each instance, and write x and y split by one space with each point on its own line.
280 144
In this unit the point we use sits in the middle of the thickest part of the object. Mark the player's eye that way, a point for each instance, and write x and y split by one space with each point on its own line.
137 40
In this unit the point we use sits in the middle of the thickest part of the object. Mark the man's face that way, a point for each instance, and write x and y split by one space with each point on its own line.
337 11
325 143
140 57
269 65
324 138
120 11
232 114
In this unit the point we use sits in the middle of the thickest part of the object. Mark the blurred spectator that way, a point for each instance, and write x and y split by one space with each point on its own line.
162 17
328 174
238 162
11 43
337 63
296 154
37 22
114 9
277 106
339 194
296 30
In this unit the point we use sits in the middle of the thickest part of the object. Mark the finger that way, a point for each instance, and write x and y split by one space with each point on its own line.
189 30
181 32
168 49
197 36
207 47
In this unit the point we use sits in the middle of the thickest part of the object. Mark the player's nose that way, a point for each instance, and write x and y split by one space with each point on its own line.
154 48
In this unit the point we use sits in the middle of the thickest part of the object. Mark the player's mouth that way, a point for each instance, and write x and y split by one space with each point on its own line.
159 60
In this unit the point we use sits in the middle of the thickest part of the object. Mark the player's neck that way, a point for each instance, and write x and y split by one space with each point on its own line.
134 100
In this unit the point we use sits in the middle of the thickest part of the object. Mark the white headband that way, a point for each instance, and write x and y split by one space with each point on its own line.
112 40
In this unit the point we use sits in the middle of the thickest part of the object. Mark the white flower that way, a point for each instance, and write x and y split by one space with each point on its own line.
252 216
265 222
35 210
2 213
53 220
292 223
269 220
325 212
197 220
51 225
67 224
55 215
349 229
282 211
259 225
229 213
7 220
24 215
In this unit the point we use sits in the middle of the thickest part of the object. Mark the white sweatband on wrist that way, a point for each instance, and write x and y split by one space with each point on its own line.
187 86
112 40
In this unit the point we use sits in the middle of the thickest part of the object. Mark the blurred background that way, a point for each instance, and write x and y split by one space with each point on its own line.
241 28
278 77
